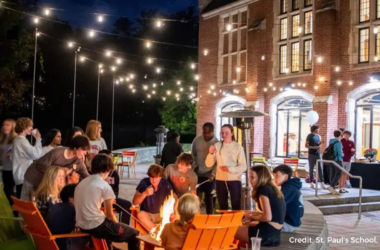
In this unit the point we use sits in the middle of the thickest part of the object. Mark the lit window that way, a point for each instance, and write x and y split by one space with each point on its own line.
364 10
363 45
308 3
308 57
283 49
284 6
378 9
295 25
284 29
308 22
378 45
295 57
295 4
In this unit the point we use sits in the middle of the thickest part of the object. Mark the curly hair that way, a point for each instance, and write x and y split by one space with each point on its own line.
22 123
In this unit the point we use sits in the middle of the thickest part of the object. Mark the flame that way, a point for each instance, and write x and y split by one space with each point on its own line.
165 211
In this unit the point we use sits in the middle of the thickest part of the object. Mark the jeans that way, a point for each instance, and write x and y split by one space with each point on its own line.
125 217
312 161
234 187
335 174
206 188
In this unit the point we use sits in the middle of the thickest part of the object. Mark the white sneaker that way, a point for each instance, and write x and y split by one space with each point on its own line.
323 185
311 185
333 191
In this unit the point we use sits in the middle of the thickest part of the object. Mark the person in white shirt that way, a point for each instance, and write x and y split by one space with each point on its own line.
93 132
230 159
52 140
293 145
88 198
23 152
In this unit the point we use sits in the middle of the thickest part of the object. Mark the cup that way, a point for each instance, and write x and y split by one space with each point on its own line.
34 131
255 243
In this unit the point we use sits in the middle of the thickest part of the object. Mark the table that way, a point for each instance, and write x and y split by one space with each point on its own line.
370 172
149 242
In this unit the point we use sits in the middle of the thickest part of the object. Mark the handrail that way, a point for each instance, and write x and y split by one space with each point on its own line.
347 173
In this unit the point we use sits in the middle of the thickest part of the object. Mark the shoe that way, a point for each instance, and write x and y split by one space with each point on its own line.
348 184
323 185
332 191
311 185
343 191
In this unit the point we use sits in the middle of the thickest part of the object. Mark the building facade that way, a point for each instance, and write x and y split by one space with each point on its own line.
287 57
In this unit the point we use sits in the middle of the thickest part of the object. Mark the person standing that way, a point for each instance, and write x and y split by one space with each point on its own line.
313 143
7 135
52 140
70 134
93 132
171 150
348 153
200 148
231 164
23 152
335 172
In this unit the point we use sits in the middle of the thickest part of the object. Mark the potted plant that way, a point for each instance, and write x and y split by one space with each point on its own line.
370 154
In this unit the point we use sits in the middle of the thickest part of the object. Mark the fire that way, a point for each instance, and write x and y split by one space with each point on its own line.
165 211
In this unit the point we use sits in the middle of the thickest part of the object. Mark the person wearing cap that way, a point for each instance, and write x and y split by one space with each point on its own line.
313 142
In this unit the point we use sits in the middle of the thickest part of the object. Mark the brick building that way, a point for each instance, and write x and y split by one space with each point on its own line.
287 57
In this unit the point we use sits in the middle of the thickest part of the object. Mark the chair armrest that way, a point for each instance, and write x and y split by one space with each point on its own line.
11 218
72 235
231 211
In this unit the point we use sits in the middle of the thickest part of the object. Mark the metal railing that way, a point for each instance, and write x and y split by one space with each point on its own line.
347 173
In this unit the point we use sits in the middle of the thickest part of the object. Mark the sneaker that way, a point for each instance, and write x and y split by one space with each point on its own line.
323 186
311 185
343 191
348 184
332 190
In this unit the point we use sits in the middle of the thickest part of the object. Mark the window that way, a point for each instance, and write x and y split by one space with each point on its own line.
284 6
308 22
284 29
377 45
283 50
292 128
308 57
378 9
364 45
295 4
295 57
295 25
308 3
364 10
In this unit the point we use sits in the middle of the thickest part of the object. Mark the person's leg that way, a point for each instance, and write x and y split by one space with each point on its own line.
147 219
9 185
235 194
242 235
337 174
312 161
222 194
208 196
19 191
320 172
27 192
126 205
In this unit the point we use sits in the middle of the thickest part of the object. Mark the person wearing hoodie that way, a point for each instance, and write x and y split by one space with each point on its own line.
291 189
335 172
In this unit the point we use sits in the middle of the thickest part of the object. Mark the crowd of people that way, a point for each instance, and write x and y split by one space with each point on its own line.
78 181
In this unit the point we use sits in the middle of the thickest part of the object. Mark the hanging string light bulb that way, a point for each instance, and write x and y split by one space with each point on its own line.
178 83
91 33
113 68
132 76
196 77
47 11
350 83
149 60
108 53
238 69
70 44
337 69
319 59
159 23
192 66
158 70
229 27
118 61
36 20
148 44
205 52
100 66
100 18
375 30
82 58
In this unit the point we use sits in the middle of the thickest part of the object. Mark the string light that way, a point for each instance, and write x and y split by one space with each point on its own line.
299 84
117 82
321 79
281 89
159 24
164 98
145 87
70 44
127 79
265 89
304 85
208 91
36 20
118 61
38 34
286 70
100 18
212 86
133 90
101 71
196 77
153 92
177 95
91 33
181 89
82 58
121 79
247 90
100 66
108 53
149 96
238 69
191 88
113 68
214 94
337 69
339 83
350 83
132 76
148 44
154 85
205 52
319 59
376 30
293 85
234 82
192 66
168 92
315 87
178 82
270 84
229 27
158 70
149 60
376 59
162 83
178 99
299 30
274 88
47 11
130 86
263 58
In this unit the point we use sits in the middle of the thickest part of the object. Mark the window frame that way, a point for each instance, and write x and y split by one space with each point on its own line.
377 9
369 11
359 45
282 7
293 1
299 22
311 21
377 45
307 5
286 27
280 58
291 57
304 54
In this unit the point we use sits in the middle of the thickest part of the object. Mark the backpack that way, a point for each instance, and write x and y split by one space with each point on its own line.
329 153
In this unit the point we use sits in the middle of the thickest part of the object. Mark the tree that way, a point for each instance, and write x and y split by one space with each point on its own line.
124 26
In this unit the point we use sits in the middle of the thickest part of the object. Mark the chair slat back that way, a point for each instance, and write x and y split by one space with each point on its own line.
220 234
35 224
204 241
130 156
232 228
194 235
291 161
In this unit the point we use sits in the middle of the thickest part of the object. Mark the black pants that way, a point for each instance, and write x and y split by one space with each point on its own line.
335 174
125 217
18 191
9 185
269 235
234 187
116 232
206 188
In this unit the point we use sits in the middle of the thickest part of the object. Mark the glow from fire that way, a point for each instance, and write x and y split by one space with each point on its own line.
165 211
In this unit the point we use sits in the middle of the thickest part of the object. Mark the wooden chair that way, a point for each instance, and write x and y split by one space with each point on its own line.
135 224
128 159
36 226
209 232
293 162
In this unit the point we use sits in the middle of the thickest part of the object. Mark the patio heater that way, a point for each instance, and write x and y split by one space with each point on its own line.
161 132
245 121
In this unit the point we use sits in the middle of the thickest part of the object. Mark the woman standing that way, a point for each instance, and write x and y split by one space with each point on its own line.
7 135
93 132
52 140
23 153
231 164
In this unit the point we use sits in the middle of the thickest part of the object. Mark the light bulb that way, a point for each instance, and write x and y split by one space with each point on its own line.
153 92
196 77
158 70
162 83
286 70
82 58
178 82
274 88
118 61
238 69
101 71
350 83
38 34
265 89
70 44
47 11
181 89
212 86
132 76
36 20
148 44
121 79
168 92
191 88
133 90
247 90
209 91
376 30
321 79
270 84
130 86
205 52
304 85
163 98
214 94
159 24
149 60
100 18
117 82
337 69
113 68
299 84
100 66
293 85
108 53
192 66
145 87
127 79
229 27
148 96
281 89
376 59
234 82
299 30
319 59
315 87
339 83
91 33
262 58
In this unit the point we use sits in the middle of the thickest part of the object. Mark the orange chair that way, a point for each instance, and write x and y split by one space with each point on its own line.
293 161
135 224
36 226
128 159
208 232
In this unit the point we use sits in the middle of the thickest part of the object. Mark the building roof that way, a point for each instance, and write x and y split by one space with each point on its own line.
216 4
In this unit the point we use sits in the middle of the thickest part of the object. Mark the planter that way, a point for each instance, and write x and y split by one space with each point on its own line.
157 159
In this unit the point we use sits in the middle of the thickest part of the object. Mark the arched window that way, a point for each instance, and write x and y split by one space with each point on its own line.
292 128
225 120
367 126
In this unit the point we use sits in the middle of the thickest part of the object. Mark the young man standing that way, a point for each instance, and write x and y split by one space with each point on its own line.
291 189
150 195
313 142
181 176
348 152
200 150
335 172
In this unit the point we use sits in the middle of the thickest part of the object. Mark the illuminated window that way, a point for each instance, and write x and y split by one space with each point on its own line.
363 45
308 57
378 45
308 22
284 6
295 25
295 57
284 29
283 50
308 3
295 4
364 10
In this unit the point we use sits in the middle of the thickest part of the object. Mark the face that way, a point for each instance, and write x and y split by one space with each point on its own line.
77 133
226 133
60 179
292 137
253 179
280 178
7 127
317 131
57 139
208 133
346 136
183 168
73 178
100 129
28 130
155 180
80 153
177 139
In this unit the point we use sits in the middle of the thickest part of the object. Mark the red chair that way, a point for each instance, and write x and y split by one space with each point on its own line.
128 159
293 162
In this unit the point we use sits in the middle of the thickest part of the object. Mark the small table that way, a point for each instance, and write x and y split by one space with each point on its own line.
149 242
370 173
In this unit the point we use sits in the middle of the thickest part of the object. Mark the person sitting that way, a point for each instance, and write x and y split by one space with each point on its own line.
174 234
47 193
180 175
89 196
270 210
171 150
291 189
150 195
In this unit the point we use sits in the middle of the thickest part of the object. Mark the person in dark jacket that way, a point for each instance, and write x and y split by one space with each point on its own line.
171 151
291 189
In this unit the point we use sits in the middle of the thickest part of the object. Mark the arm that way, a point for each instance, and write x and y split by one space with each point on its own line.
241 166
32 152
339 149
193 184
138 198
266 215
210 160
194 154
307 145
109 210
82 170
162 162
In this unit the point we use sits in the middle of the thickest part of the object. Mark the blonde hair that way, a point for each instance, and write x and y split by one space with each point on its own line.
188 207
92 130
263 178
22 124
8 138
47 187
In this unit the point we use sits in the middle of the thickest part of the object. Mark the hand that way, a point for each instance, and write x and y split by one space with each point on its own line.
149 191
113 201
212 149
353 150
224 168
37 135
